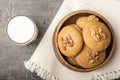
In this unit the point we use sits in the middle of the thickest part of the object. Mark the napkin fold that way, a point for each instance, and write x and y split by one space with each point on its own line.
46 65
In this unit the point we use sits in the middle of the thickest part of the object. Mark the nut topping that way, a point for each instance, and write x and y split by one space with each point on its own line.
99 34
103 36
92 17
92 33
67 42
97 37
92 56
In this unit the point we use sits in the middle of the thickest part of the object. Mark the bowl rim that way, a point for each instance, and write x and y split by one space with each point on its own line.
59 55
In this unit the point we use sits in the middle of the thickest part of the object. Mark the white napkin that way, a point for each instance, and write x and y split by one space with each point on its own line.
44 61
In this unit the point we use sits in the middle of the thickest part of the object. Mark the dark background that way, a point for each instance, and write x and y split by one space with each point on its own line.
12 56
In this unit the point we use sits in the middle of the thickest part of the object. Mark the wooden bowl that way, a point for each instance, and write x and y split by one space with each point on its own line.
71 19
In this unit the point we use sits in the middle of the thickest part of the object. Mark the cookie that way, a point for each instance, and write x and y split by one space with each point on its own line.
82 21
72 61
70 40
88 58
96 35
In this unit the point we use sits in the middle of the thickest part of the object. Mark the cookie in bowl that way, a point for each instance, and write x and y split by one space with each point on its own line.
70 40
88 58
72 61
70 56
96 35
82 21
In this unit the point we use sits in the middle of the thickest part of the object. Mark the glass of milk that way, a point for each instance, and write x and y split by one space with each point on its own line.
22 30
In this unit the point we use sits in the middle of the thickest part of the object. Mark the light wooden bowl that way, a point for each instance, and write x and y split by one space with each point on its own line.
71 19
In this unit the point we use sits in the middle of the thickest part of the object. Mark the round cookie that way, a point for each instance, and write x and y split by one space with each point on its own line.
96 35
70 40
88 58
82 21
72 61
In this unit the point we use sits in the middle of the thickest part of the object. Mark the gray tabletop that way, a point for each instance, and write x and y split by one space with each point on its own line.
12 56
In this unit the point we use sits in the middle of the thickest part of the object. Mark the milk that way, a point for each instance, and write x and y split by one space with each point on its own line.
22 30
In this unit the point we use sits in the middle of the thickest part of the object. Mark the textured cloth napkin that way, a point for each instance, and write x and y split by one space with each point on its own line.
44 61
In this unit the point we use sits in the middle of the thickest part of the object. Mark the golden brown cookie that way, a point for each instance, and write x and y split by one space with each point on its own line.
88 58
96 35
72 61
70 40
82 21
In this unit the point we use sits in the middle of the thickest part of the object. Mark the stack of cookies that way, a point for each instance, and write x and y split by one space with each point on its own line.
84 44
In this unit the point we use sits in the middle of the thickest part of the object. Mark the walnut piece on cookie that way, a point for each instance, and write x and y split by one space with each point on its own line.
96 35
70 40
88 58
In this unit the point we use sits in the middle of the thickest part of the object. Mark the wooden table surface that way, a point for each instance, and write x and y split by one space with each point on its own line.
12 56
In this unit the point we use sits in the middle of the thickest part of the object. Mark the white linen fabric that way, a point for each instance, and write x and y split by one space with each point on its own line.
44 61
